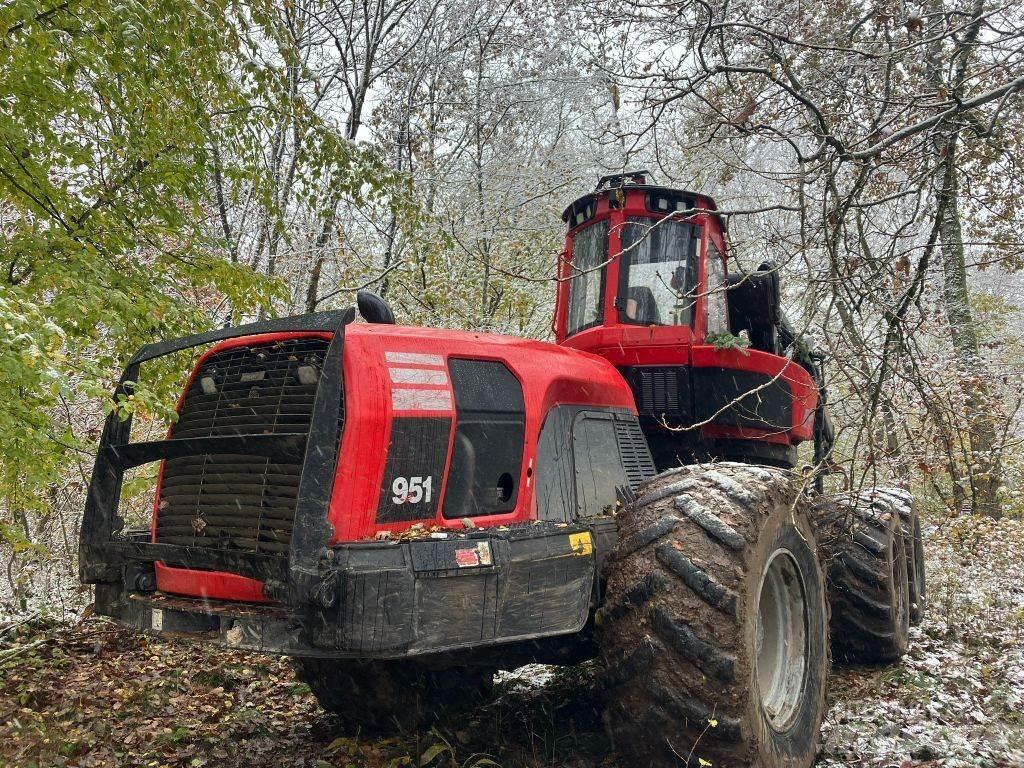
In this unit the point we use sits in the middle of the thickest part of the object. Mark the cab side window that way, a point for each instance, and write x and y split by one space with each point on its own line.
718 304
487 455
586 279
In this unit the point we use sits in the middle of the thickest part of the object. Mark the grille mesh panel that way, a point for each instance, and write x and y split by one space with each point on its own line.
230 501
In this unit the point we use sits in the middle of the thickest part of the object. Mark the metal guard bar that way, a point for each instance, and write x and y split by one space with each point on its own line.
102 558
262 567
323 322
283 446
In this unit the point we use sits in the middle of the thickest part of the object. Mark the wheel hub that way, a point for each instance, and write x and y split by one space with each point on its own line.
781 639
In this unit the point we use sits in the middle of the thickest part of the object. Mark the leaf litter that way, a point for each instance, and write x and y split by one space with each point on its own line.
94 694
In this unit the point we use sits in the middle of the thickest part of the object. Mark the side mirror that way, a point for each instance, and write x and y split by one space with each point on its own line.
374 309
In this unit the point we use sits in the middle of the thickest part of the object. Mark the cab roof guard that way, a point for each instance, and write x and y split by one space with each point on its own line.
102 557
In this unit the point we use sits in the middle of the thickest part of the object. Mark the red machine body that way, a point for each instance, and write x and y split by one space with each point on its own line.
405 510
399 382
441 426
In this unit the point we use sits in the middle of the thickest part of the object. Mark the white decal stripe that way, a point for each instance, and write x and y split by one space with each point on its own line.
414 358
418 376
421 400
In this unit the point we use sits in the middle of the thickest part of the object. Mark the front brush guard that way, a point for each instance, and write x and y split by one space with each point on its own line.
104 555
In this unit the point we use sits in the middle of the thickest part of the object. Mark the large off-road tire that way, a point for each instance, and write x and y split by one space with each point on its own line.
382 696
903 503
713 635
862 550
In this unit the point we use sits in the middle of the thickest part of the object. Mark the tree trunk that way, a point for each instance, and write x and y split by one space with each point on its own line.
314 282
985 468
322 240
985 465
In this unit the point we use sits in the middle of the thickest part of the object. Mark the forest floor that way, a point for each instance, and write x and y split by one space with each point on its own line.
92 694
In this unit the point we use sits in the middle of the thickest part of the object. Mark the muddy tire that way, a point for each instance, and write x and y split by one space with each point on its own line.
903 503
713 635
862 549
381 697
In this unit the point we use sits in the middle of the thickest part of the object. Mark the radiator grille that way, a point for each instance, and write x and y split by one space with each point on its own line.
636 456
238 502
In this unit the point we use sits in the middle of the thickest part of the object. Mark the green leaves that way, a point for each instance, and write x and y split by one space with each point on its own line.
726 340
136 197
105 124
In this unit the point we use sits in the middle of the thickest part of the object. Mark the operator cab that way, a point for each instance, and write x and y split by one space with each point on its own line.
643 282
633 267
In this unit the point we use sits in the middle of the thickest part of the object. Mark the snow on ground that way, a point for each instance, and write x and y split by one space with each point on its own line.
529 677
957 699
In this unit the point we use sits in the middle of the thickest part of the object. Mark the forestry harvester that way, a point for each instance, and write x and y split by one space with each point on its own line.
405 510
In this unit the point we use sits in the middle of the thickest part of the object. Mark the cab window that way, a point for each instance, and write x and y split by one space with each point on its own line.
586 277
658 271
718 306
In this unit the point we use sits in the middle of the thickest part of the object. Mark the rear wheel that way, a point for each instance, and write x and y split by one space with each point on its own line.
384 696
713 633
862 548
903 504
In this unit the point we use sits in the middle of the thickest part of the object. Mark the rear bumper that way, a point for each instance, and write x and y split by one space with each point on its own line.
394 600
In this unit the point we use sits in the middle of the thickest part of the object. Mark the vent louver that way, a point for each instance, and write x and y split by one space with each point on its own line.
658 391
636 456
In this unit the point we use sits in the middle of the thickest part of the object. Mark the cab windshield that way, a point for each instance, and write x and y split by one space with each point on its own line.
658 272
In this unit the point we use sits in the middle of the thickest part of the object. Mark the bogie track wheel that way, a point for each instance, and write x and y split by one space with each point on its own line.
903 504
713 636
865 558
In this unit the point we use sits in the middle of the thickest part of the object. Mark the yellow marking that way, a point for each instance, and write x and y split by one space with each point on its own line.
581 544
